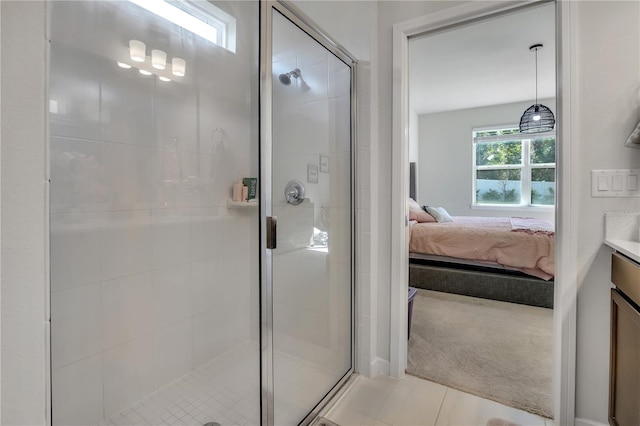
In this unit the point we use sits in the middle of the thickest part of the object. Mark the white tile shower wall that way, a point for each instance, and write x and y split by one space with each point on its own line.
151 275
128 374
77 395
302 308
366 289
171 303
78 330
126 308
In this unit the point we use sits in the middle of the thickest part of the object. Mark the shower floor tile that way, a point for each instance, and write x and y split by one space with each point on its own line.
226 390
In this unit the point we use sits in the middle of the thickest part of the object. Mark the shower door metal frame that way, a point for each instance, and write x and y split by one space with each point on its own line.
302 21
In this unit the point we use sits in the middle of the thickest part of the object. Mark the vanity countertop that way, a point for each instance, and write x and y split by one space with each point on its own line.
630 249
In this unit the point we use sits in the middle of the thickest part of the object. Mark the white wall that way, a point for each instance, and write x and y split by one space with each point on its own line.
446 158
24 314
347 22
389 13
606 89
414 136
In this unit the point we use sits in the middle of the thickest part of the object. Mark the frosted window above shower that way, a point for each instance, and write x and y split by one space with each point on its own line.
197 16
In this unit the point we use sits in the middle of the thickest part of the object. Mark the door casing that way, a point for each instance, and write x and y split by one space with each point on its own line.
565 293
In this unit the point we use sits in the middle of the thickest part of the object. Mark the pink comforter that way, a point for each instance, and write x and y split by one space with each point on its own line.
489 239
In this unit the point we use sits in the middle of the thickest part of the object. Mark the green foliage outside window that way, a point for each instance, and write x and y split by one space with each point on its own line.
510 153
543 151
498 153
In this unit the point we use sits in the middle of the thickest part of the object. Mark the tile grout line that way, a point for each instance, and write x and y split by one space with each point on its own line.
446 391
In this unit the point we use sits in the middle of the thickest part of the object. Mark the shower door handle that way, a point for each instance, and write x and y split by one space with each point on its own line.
272 228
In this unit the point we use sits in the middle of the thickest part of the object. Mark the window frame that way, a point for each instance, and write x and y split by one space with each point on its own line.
526 166
191 14
224 23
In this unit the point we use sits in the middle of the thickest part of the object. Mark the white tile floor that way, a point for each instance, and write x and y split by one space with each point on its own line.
224 390
410 401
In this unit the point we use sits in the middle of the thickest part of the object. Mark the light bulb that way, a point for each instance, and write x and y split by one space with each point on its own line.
144 72
161 78
178 66
158 59
123 65
536 117
137 50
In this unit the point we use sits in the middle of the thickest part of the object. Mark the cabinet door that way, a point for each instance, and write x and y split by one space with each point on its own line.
624 391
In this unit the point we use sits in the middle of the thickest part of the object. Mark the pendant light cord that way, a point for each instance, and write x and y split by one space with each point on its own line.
536 76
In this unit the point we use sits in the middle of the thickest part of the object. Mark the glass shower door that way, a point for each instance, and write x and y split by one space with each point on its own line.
312 200
153 110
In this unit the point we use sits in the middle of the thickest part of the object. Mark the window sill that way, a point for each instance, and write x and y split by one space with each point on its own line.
512 207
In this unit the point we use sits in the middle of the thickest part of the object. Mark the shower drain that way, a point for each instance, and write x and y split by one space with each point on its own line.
211 424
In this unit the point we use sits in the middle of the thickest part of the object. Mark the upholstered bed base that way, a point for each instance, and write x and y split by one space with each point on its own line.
483 282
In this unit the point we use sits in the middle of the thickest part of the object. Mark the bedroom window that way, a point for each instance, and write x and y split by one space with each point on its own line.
513 169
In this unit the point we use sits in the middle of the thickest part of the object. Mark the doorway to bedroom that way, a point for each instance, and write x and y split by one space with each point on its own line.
482 207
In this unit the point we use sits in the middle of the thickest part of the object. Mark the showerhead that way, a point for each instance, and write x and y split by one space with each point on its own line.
286 78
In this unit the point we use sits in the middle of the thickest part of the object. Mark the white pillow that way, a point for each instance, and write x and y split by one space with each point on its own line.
440 214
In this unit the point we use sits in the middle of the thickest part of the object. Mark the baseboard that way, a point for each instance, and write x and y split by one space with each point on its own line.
587 422
380 366
363 366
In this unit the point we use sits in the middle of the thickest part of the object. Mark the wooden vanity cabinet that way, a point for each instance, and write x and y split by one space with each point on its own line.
624 379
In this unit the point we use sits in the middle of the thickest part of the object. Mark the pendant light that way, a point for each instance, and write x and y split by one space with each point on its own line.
137 51
158 59
537 118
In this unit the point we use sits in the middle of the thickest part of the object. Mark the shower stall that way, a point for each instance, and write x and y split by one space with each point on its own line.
201 213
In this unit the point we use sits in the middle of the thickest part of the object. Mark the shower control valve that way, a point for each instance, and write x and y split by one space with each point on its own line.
294 192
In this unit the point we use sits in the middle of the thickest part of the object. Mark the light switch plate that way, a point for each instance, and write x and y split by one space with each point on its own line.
615 183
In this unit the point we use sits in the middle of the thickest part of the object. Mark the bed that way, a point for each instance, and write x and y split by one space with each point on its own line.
519 244
509 259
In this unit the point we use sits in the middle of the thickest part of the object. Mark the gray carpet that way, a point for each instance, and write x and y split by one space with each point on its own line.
496 350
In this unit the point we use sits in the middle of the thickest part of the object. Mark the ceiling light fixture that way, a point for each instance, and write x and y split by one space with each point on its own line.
158 59
537 118
178 67
162 78
179 17
144 72
123 65
137 51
